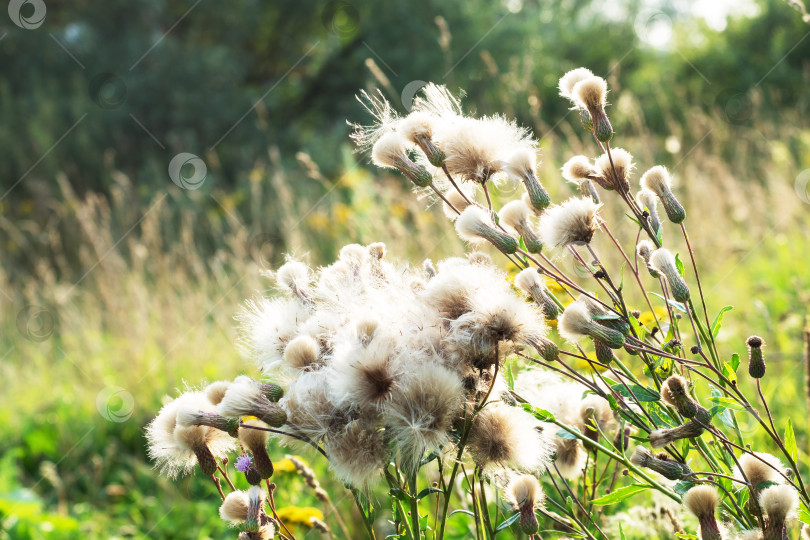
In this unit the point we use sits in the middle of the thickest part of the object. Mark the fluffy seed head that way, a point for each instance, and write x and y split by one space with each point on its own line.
421 411
573 222
657 180
357 452
779 502
216 391
663 262
577 169
235 507
474 225
524 490
503 435
758 472
521 163
622 163
570 79
245 397
365 375
590 93
417 125
458 201
515 215
301 353
294 276
702 501
389 150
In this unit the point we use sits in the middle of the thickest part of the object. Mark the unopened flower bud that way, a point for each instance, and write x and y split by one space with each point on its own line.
756 360
671 470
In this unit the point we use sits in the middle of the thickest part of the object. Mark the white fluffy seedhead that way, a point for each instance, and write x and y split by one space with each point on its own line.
216 391
267 327
575 321
779 502
302 353
648 199
663 261
756 472
570 79
357 453
234 508
422 410
508 436
515 215
389 150
521 163
572 222
577 169
623 164
364 375
473 223
294 276
590 93
417 125
524 491
438 101
385 119
657 180
458 201
702 501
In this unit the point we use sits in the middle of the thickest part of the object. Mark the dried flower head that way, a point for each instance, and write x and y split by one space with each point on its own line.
357 452
294 276
671 470
648 203
758 469
385 120
530 281
572 222
779 503
418 128
216 391
645 250
255 440
234 508
578 169
674 393
302 353
591 94
246 397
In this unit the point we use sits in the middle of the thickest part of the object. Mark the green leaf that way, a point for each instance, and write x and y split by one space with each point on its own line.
726 403
621 532
634 220
683 486
607 316
685 536
565 434
462 511
673 303
679 265
505 524
399 494
641 394
619 495
718 321
766 484
804 514
790 441
427 491
541 414
510 376
735 361
729 372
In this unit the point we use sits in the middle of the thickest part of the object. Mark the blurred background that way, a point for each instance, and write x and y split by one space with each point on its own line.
156 156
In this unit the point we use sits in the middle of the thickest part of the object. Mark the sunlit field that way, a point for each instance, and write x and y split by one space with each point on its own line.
120 286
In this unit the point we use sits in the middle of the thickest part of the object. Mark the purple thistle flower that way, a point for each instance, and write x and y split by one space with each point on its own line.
243 463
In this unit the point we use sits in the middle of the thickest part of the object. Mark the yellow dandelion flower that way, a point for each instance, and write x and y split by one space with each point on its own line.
295 515
286 464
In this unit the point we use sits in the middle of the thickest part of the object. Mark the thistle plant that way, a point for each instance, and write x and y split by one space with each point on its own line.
525 406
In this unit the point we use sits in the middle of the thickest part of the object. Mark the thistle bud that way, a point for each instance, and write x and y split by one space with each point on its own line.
614 169
591 94
585 120
659 182
474 224
756 360
530 281
604 354
255 440
546 348
390 151
671 470
255 505
674 393
691 429
663 261
702 501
